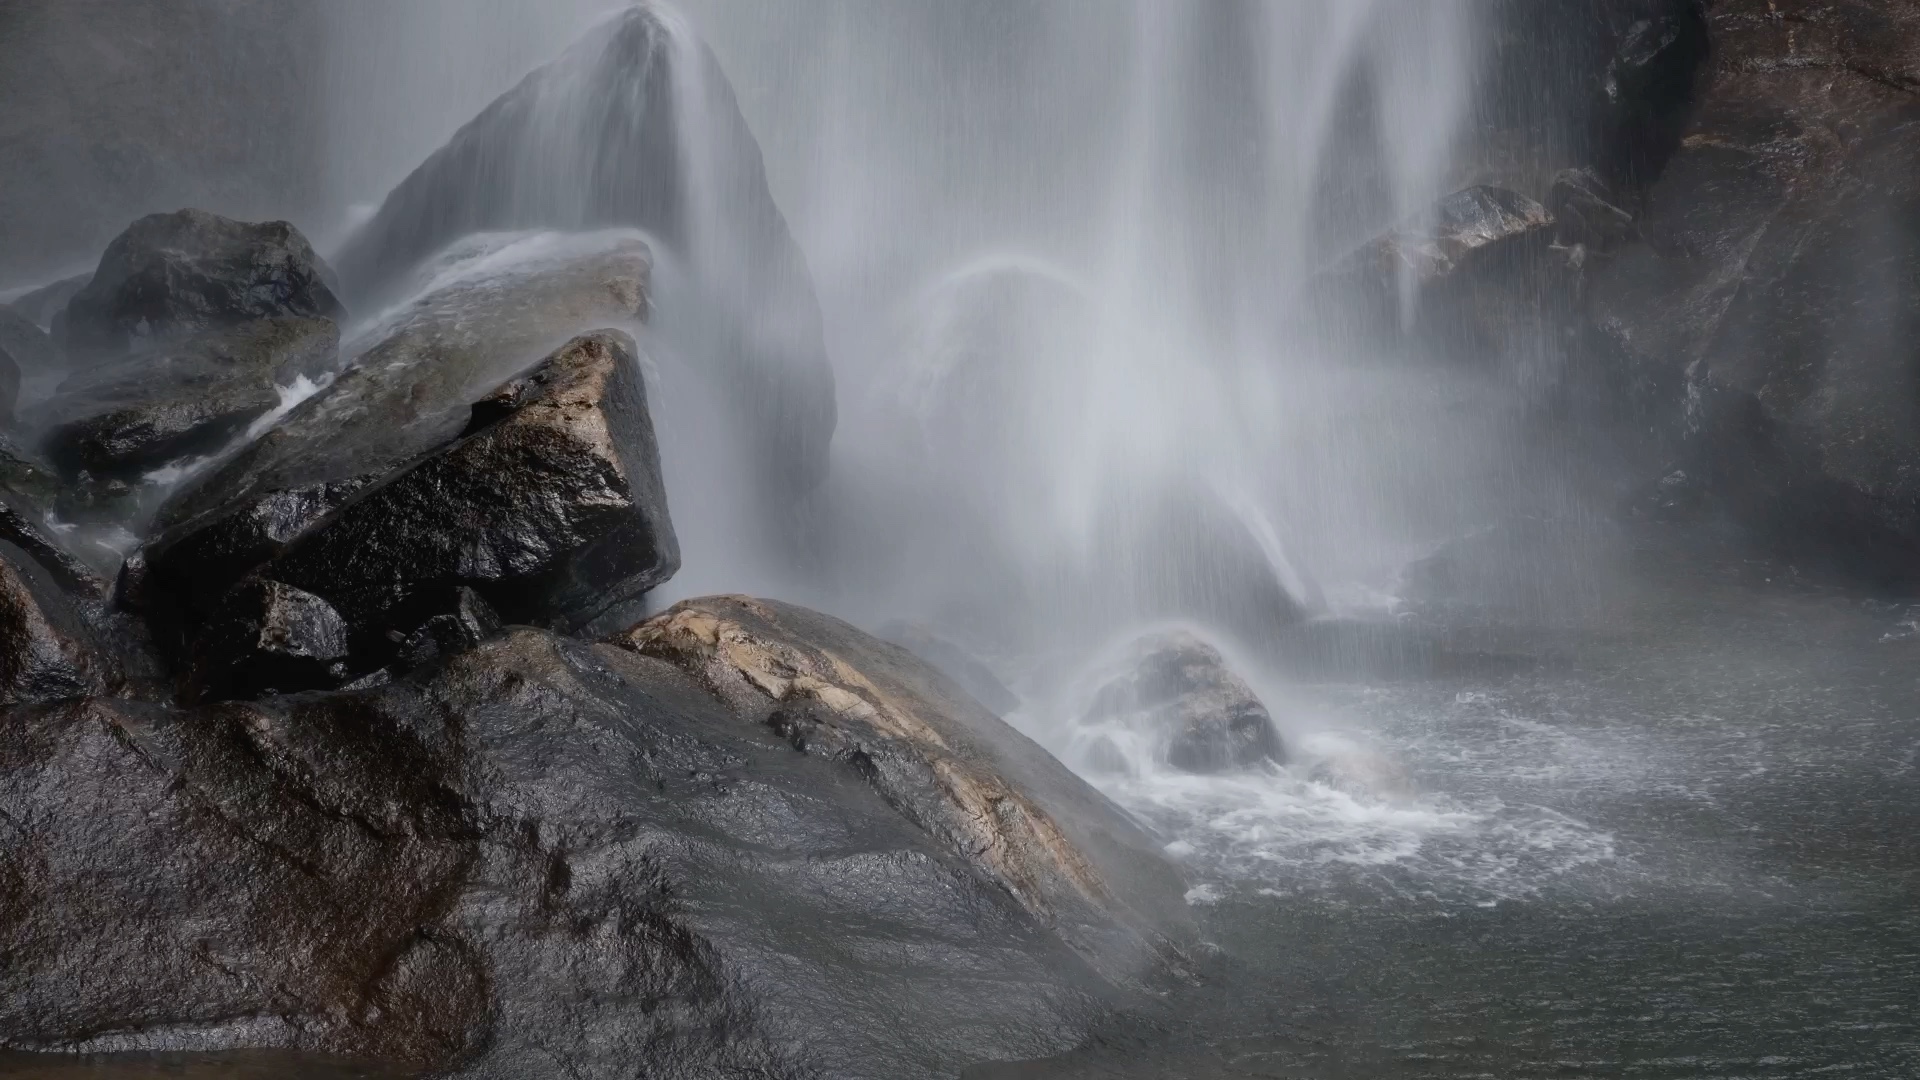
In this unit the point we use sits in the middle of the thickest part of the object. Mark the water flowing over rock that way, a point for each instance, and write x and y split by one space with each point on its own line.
177 400
1767 321
544 855
1196 714
171 275
550 505
637 126
408 395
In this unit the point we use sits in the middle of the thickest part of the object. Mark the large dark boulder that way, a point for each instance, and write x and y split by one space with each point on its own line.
1767 323
598 138
47 653
548 857
1177 697
407 396
185 398
173 275
551 507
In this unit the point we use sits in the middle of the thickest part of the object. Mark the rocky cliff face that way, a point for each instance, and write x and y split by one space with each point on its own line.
1775 298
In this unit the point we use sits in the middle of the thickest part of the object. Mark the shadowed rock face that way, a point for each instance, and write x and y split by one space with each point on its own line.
544 856
594 140
408 395
1204 718
1771 312
124 418
46 651
551 506
172 275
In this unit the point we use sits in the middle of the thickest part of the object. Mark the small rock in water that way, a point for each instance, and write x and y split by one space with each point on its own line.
172 275
1203 717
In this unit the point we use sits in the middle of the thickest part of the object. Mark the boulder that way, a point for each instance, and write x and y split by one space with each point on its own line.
174 275
599 138
182 399
1195 713
1767 322
992 797
407 396
46 651
550 507
548 857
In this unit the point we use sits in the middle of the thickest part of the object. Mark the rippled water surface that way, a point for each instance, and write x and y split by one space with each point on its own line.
1675 836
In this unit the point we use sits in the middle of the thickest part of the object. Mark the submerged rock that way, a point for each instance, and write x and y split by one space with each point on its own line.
548 856
1199 715
46 651
173 275
177 400
595 139
1766 323
410 395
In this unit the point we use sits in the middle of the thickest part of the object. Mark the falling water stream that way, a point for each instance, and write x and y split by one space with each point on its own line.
1655 819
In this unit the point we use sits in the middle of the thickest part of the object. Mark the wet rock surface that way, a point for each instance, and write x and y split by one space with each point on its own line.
47 653
547 855
171 275
1201 716
1766 320
632 74
183 399
551 507
408 395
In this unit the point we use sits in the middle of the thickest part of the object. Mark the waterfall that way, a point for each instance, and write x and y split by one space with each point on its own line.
1060 249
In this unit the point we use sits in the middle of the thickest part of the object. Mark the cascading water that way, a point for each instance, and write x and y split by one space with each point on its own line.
1083 386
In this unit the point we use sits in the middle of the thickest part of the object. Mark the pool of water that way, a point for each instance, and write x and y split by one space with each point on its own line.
1676 834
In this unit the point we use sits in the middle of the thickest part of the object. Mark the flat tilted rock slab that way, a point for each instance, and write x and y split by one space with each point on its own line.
409 395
